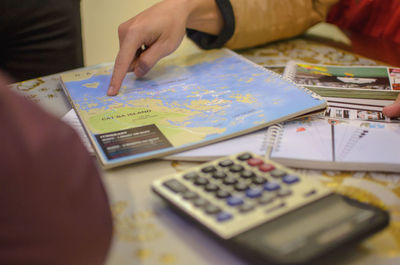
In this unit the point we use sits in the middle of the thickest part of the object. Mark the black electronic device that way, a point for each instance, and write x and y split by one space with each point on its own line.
267 212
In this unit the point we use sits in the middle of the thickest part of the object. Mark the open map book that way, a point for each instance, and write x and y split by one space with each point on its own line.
182 103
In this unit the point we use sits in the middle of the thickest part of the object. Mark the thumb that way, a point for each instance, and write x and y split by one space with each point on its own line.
392 110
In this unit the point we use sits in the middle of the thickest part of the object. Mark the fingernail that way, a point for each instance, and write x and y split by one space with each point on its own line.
139 71
110 91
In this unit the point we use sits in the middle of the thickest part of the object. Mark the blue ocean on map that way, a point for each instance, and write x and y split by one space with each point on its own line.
233 94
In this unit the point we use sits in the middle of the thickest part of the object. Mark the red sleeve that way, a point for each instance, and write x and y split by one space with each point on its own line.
375 18
54 209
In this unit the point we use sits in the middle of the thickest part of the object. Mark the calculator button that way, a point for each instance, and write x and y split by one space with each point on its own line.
224 216
266 198
208 169
191 176
254 192
234 201
241 186
175 185
200 181
259 180
246 174
210 187
277 173
290 179
279 206
226 163
200 202
236 168
266 167
284 192
230 180
212 209
245 208
254 162
271 186
244 157
189 195
237 193
222 194
219 175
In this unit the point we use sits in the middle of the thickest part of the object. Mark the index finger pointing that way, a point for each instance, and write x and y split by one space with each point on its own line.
124 58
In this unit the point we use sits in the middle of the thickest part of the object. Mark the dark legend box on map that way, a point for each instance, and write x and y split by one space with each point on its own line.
132 141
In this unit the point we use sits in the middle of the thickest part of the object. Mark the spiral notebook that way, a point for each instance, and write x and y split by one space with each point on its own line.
332 144
316 143
255 142
183 103
369 82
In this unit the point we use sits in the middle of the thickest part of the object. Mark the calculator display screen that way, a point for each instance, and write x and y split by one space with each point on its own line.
308 222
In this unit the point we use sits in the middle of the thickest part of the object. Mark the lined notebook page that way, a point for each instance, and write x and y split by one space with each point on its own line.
310 142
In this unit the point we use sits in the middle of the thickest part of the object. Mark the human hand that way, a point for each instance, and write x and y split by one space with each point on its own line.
392 110
157 29
160 29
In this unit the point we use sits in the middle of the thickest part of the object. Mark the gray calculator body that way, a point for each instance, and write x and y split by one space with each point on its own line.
268 213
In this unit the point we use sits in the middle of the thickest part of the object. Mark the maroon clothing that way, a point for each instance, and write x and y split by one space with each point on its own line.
54 209
374 18
373 27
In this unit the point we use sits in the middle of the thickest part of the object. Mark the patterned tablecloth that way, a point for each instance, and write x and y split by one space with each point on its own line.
148 232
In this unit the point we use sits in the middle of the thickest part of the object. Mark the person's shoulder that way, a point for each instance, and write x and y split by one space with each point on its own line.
52 194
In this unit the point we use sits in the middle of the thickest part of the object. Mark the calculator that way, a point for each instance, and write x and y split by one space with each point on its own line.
268 213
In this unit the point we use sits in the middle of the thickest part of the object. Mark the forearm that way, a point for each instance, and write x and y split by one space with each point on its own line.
262 21
254 22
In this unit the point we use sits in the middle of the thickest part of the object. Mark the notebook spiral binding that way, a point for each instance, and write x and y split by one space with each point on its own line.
289 75
288 78
272 139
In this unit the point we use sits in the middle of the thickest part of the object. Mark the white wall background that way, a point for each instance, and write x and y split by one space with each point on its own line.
100 20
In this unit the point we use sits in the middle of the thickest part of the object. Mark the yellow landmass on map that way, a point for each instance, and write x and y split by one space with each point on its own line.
149 111
198 92
180 136
92 85
86 74
116 105
210 105
92 105
247 79
248 98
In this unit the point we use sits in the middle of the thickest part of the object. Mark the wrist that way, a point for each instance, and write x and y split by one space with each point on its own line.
202 15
